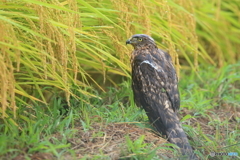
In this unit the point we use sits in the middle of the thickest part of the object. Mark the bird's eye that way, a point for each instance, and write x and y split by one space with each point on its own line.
140 39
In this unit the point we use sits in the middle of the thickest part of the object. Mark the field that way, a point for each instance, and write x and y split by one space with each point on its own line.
65 82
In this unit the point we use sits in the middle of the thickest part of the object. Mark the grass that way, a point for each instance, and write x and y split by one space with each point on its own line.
113 127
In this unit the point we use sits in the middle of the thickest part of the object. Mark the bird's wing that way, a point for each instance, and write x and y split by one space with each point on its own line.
172 80
151 87
157 81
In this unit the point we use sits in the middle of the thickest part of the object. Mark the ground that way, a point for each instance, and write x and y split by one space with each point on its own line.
110 140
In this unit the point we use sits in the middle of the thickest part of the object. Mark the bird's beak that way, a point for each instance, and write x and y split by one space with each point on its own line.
128 41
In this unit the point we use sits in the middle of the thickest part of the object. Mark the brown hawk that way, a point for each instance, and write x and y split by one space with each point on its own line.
155 88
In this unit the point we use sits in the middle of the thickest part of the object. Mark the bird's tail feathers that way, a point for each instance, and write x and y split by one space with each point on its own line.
168 124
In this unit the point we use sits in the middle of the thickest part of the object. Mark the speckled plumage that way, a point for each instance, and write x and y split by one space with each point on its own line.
155 88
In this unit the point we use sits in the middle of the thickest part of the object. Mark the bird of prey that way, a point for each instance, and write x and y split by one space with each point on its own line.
155 88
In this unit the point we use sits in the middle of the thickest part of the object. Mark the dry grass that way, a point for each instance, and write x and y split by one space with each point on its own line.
110 140
7 80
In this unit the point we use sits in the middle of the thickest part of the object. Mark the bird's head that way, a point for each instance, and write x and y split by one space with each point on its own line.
140 40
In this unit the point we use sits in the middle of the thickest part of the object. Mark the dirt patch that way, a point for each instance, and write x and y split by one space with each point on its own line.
110 140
